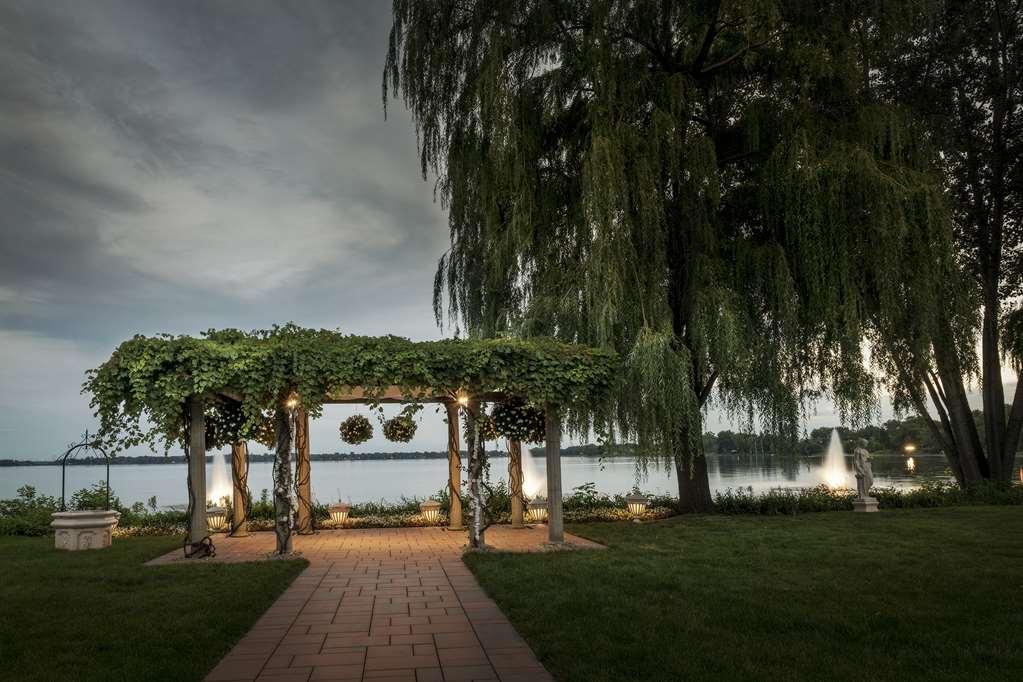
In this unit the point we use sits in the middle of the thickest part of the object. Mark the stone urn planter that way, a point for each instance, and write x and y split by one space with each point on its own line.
75 530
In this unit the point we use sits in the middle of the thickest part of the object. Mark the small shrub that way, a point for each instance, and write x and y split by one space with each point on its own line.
94 497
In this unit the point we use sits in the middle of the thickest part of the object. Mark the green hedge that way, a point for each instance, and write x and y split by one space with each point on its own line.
29 513
822 498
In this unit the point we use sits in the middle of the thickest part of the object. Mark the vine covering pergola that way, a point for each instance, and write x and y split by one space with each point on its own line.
228 386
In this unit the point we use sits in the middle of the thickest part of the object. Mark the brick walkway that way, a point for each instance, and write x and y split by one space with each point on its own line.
383 605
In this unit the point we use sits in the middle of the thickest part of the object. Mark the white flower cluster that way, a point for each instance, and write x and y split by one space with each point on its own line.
519 421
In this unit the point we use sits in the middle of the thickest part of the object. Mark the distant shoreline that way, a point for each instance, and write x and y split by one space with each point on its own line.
571 451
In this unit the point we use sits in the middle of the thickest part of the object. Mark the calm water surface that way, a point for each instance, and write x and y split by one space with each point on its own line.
363 481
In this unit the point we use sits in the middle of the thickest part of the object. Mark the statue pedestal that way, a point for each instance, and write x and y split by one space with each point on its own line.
865 504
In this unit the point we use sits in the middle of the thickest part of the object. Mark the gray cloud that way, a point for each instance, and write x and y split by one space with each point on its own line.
174 166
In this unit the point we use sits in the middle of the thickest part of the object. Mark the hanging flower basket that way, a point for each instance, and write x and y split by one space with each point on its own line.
399 429
356 429
518 420
488 428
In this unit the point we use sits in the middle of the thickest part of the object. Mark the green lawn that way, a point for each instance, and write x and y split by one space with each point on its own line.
932 594
102 615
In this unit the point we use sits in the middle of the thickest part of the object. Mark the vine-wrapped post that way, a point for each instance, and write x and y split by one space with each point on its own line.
282 480
303 473
240 482
454 468
552 433
515 482
197 530
476 528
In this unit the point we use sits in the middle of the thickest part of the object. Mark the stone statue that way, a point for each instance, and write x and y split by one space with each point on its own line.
864 472
864 478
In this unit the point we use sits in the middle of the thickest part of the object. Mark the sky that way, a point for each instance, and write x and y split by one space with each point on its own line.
179 166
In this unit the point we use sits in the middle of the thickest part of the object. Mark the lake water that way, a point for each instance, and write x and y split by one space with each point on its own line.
374 480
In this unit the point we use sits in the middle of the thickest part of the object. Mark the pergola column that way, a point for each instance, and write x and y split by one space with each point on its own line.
197 471
454 468
240 480
282 481
515 482
552 431
304 522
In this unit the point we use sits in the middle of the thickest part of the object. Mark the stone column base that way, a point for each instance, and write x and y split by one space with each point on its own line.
865 504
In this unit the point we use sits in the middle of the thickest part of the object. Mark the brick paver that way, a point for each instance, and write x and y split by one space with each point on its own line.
381 604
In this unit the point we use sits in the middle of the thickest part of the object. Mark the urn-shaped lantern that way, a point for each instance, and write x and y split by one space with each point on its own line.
216 519
538 509
430 509
636 503
339 513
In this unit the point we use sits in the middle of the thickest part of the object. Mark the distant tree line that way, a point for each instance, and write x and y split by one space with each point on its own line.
892 436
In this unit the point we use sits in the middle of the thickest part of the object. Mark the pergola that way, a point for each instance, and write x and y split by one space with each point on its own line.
223 387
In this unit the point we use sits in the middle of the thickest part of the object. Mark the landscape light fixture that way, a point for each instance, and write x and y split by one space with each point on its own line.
909 448
339 513
216 518
538 510
430 510
462 396
636 503
292 402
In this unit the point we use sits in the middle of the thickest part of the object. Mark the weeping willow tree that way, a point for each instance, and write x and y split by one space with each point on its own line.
709 188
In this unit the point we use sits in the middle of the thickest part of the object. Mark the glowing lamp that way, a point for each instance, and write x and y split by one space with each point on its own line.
462 396
339 513
292 402
637 504
909 448
538 510
216 519
430 510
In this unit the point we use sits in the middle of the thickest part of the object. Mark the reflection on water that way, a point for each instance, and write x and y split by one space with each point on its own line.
390 479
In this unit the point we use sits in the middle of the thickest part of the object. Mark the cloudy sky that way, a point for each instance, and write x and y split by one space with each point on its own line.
177 166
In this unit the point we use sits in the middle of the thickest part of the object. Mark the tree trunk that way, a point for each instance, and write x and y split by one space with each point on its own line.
693 484
476 527
964 430
282 481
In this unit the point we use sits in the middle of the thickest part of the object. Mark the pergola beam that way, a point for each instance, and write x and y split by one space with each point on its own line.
555 518
515 482
239 479
303 473
454 468
197 470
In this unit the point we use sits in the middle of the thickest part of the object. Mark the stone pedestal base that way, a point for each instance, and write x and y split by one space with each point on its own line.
83 529
865 504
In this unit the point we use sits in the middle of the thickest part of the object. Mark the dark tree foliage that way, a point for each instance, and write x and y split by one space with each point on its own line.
709 188
955 66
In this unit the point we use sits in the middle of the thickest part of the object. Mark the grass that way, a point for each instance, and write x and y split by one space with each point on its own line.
102 615
931 594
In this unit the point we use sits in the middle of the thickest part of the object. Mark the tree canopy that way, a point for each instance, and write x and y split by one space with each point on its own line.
141 393
711 189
